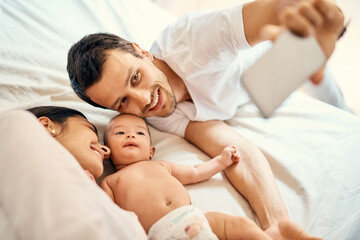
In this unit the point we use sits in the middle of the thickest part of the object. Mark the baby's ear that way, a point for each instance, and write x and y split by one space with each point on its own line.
152 152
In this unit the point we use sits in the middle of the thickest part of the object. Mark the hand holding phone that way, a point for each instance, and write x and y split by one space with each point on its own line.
282 69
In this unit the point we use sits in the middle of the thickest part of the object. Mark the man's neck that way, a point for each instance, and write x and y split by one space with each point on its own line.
177 84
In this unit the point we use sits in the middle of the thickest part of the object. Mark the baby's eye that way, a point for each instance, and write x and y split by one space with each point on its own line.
120 133
140 133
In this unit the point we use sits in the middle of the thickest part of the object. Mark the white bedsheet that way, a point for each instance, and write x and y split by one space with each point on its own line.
313 148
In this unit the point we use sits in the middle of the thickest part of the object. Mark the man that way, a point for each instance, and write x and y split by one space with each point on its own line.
188 84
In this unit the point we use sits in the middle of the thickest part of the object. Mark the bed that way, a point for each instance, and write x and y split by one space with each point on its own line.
312 147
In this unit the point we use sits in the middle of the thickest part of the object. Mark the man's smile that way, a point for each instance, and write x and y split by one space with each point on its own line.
157 101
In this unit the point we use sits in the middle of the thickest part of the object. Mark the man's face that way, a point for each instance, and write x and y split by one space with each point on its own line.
133 85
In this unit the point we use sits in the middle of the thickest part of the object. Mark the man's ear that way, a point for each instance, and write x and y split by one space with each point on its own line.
152 152
141 51
50 126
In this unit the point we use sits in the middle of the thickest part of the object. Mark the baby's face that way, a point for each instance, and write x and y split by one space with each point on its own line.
129 140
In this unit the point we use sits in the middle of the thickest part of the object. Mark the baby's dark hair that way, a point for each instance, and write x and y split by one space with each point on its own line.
57 114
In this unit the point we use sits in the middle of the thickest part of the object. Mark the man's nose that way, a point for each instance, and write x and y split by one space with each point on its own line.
142 98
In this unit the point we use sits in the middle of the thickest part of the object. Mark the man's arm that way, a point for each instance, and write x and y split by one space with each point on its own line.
204 171
251 176
258 14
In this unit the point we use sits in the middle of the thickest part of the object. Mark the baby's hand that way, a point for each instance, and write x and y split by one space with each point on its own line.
229 155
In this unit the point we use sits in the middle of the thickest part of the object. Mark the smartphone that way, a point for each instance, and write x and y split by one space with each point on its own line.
281 70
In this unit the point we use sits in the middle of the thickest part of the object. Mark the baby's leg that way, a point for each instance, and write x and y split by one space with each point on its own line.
227 226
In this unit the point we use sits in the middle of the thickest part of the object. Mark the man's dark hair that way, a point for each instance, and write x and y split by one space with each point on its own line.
86 59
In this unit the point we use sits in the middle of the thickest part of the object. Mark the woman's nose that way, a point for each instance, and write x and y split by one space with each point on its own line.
106 151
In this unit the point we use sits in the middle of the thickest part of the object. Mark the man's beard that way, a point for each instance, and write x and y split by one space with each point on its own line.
172 102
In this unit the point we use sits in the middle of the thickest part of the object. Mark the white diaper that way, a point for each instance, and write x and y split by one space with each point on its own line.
187 222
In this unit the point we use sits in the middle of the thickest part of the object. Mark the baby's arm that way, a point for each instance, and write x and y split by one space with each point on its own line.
105 186
205 170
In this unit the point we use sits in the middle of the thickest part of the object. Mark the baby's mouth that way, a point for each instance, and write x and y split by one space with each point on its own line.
130 144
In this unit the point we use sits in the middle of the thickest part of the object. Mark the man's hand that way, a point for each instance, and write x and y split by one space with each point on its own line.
320 18
229 156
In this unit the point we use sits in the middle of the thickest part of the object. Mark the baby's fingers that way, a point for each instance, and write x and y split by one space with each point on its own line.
235 155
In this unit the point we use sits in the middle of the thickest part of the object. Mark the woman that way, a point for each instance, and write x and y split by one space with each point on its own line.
72 129
44 191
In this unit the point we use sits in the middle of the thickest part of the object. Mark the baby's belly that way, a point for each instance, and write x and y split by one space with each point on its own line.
156 200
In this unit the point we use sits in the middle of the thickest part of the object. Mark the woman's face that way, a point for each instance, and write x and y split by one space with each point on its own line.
80 139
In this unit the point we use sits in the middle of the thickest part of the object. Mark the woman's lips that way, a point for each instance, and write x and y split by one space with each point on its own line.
101 156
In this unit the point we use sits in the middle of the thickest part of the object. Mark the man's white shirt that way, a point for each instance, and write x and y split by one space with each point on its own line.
208 51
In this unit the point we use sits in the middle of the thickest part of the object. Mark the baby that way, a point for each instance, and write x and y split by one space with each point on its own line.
155 190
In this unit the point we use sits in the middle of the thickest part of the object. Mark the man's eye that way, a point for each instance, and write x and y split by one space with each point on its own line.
140 133
120 133
135 79
123 101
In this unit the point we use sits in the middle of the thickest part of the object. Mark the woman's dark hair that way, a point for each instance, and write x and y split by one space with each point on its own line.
86 59
56 114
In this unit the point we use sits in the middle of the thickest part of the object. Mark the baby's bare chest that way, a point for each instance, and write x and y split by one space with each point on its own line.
148 185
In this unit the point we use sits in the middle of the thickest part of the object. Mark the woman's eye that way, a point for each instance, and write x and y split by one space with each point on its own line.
140 133
120 133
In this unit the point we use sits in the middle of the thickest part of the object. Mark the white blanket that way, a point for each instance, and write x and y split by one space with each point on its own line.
313 148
